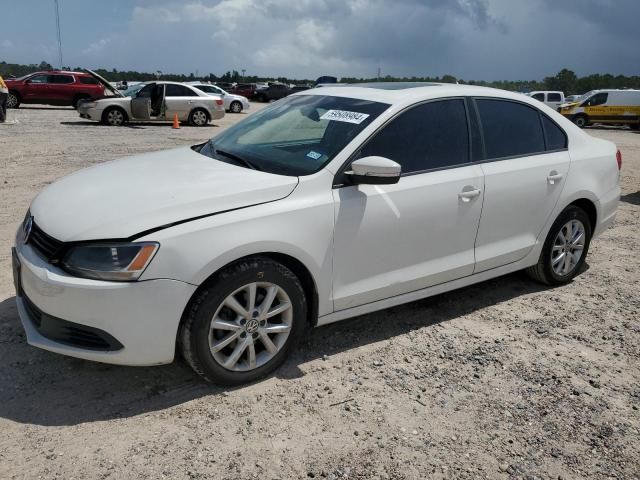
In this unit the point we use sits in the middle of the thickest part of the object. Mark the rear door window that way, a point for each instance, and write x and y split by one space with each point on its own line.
510 129
429 136
61 79
178 91
554 97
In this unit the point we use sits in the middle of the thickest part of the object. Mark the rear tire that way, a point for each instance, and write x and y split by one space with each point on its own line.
565 248
13 100
581 120
199 117
232 350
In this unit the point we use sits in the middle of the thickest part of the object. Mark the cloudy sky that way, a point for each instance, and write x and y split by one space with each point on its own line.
470 39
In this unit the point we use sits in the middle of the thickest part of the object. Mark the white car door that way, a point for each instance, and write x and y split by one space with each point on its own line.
525 169
394 239
178 99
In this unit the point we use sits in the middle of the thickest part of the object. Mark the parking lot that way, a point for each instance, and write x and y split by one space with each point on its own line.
502 379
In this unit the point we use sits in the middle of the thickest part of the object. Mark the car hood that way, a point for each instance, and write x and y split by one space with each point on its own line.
120 199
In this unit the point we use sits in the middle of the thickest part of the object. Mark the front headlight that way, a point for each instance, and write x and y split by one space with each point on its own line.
118 262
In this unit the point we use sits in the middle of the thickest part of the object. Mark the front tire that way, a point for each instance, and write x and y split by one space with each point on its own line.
242 325
581 121
114 117
565 248
199 118
13 100
79 99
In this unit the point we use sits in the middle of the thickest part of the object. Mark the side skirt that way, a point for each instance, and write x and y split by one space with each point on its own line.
529 260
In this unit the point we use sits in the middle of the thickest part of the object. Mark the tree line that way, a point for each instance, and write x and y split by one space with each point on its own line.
565 80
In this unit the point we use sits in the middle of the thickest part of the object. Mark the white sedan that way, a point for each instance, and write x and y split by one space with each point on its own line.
232 103
328 204
158 101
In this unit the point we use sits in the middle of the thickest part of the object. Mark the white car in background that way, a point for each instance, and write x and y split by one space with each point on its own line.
232 103
326 205
551 98
156 101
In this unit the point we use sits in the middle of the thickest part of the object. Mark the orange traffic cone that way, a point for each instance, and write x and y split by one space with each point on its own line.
176 123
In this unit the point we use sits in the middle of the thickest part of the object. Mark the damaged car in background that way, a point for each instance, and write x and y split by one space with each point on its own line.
155 102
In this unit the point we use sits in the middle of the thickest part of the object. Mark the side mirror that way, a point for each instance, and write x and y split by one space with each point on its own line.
375 171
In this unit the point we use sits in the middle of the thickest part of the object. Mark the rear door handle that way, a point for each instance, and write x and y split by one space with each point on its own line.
554 177
468 193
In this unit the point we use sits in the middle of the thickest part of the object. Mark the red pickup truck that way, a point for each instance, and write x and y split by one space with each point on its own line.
53 88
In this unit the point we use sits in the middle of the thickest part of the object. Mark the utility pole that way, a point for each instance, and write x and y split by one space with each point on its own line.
55 2
378 73
243 70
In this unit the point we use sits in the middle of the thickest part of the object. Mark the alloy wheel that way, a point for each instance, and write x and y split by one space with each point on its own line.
12 101
568 247
236 107
251 326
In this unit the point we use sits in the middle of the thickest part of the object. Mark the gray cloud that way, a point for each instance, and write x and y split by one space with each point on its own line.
471 39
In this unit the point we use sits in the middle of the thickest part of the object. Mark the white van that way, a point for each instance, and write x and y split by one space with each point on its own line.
552 98
612 107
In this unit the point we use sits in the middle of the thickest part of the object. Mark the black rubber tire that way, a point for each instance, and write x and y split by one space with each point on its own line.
191 116
79 98
193 336
542 271
235 107
106 113
17 97
581 120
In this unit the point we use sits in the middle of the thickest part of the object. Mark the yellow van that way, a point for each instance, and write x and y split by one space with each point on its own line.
613 107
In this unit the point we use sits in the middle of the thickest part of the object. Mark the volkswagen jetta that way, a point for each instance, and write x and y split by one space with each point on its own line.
326 205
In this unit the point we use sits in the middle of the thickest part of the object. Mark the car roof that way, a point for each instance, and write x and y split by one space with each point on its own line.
408 92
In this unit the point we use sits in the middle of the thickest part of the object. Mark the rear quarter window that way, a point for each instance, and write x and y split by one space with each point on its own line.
555 137
510 129
88 81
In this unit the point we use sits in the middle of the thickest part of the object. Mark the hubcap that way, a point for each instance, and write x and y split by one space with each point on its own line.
568 247
250 326
115 117
199 118
236 108
12 101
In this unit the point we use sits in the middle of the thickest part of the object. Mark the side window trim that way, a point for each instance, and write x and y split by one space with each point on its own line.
511 157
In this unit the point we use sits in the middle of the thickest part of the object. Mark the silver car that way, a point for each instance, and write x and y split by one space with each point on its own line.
232 103
155 102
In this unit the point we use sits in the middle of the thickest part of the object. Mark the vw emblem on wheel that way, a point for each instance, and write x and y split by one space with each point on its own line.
251 326
26 229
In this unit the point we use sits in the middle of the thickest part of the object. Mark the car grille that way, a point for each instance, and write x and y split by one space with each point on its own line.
69 333
47 246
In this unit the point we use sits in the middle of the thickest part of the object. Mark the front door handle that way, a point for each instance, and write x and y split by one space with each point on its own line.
468 193
554 177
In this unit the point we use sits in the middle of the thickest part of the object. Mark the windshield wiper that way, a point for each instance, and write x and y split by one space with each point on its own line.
238 159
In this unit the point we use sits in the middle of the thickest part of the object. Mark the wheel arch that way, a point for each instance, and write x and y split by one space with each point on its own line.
295 265
589 208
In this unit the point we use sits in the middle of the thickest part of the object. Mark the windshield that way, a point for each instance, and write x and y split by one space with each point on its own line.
582 98
297 135
131 91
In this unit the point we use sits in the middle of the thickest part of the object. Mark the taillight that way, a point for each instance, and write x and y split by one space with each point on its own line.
220 102
619 159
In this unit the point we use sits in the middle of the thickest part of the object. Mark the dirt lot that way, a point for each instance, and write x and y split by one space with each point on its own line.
502 379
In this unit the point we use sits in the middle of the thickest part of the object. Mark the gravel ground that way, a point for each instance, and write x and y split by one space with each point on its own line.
505 379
